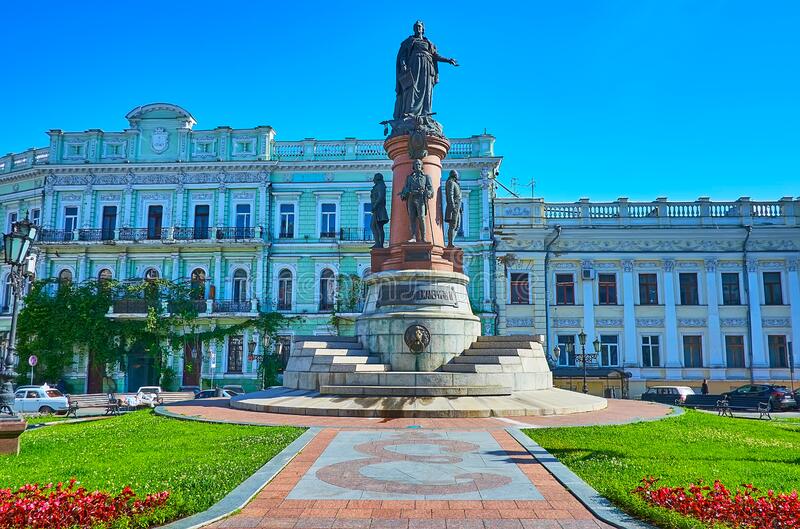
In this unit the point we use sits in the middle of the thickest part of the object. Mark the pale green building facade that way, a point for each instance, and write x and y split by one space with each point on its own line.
263 224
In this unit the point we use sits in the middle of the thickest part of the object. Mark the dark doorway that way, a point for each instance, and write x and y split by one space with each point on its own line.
109 223
192 363
94 376
142 371
154 219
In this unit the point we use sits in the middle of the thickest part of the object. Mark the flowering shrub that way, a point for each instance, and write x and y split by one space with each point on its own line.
743 509
67 507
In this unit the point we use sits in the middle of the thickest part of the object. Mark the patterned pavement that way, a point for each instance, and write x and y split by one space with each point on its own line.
413 480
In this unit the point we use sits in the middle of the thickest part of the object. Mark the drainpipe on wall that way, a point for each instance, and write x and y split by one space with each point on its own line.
746 281
493 263
546 296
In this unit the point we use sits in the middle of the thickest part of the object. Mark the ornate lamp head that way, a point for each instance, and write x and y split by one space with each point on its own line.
582 338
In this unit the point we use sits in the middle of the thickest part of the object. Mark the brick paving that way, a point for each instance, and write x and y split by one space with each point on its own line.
273 508
618 411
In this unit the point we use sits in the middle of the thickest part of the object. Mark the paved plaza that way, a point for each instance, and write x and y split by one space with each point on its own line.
360 473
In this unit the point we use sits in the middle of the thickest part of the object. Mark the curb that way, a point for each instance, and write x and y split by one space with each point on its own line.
246 490
599 506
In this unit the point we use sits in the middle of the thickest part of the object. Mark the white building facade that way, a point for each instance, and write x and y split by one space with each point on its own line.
676 292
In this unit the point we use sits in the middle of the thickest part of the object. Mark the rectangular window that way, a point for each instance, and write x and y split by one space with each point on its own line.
609 350
327 221
201 215
242 220
778 353
648 289
520 288
566 343
155 215
688 288
287 221
730 289
772 288
607 289
366 221
36 216
70 218
76 150
693 351
109 223
235 353
243 147
651 351
12 218
734 350
565 289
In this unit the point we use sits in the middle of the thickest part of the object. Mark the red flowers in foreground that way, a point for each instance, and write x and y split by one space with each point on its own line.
62 507
742 509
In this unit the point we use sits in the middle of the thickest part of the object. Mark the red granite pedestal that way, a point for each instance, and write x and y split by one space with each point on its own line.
10 430
402 254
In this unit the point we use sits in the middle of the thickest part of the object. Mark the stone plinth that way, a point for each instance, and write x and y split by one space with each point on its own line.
436 300
402 255
10 430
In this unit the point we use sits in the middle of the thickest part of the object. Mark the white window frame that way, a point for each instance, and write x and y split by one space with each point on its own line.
700 293
597 274
650 345
659 287
619 350
69 146
210 205
235 214
118 146
576 292
743 334
36 217
328 198
294 200
703 360
63 219
234 267
165 213
720 291
784 296
318 268
276 270
564 354
335 217
530 287
9 222
238 142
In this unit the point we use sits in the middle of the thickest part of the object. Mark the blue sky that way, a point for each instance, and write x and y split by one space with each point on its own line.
599 99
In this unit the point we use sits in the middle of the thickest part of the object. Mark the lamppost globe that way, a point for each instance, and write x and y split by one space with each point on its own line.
582 338
596 344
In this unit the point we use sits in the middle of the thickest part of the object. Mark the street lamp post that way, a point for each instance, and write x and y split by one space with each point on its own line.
16 249
583 357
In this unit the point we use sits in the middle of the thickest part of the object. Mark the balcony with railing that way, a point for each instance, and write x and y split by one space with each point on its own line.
204 307
231 306
660 212
157 235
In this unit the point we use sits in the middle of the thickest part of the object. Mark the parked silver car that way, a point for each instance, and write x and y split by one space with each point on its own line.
40 399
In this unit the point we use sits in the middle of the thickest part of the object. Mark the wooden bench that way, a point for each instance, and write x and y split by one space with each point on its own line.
106 401
728 405
168 397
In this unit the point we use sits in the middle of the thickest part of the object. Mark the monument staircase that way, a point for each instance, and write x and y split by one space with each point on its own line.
491 366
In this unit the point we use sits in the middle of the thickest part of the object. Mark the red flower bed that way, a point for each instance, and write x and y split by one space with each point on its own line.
743 509
62 507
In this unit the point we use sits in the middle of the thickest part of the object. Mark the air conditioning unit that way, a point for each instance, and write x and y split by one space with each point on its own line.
587 274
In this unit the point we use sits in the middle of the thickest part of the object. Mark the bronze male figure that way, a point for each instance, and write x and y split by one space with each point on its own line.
416 193
452 213
379 215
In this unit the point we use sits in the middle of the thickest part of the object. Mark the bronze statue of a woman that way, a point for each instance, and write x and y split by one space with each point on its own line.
417 71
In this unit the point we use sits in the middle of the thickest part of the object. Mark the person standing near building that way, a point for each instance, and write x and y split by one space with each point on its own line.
704 387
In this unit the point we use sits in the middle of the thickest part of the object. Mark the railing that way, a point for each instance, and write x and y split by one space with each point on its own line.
659 212
57 236
141 234
24 160
356 234
232 306
132 306
95 234
328 235
235 233
187 234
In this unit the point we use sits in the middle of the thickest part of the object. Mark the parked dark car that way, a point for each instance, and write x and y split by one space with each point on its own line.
213 393
234 388
778 397
193 389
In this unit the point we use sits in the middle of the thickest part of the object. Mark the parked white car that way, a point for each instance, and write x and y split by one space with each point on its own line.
40 399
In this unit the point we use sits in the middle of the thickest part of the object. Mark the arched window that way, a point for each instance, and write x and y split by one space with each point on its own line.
239 285
7 292
285 289
104 275
327 289
198 283
65 276
151 274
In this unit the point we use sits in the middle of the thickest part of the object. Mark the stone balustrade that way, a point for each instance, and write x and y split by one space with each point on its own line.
660 212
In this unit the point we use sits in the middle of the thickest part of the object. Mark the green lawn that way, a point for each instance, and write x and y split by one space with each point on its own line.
198 462
39 419
679 450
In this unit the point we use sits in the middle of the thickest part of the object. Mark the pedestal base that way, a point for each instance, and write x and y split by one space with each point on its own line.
10 430
417 256
436 300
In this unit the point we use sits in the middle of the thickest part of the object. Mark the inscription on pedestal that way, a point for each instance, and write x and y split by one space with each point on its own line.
440 295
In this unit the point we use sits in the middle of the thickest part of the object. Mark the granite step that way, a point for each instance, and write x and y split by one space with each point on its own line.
497 352
360 368
340 352
414 391
485 359
327 345
509 338
361 359
473 368
415 378
506 344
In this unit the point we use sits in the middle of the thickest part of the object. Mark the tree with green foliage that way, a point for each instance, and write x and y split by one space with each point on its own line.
60 319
